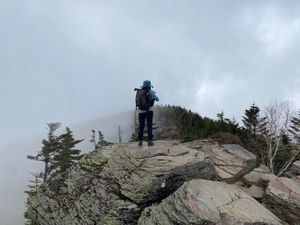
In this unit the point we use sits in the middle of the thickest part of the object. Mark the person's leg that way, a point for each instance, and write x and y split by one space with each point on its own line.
142 117
149 127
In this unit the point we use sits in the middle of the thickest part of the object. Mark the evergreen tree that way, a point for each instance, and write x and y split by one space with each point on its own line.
28 220
102 142
220 116
32 191
295 128
34 184
93 138
50 146
251 119
233 125
221 124
67 154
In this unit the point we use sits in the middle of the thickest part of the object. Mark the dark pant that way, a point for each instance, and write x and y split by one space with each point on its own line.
142 117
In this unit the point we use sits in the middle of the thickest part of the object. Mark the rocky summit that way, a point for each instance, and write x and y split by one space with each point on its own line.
169 183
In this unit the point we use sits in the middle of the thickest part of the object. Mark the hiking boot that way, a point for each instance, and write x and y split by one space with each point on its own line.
150 143
140 144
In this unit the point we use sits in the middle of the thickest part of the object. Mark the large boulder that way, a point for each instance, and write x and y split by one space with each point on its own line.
208 202
283 198
231 161
147 174
114 185
255 182
259 176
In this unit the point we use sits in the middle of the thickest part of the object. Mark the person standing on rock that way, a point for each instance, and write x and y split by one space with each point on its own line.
145 98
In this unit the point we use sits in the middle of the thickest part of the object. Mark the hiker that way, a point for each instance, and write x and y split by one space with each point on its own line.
145 99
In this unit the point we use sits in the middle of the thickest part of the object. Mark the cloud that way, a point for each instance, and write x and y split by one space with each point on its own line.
276 29
77 59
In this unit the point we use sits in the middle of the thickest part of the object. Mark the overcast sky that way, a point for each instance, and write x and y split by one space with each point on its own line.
71 60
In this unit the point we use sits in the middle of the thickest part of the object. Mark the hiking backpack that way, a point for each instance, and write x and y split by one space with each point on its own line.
142 99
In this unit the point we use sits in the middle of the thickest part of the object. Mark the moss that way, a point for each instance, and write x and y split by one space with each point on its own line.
110 221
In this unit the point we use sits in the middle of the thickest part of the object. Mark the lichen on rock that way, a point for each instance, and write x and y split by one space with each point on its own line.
208 202
115 184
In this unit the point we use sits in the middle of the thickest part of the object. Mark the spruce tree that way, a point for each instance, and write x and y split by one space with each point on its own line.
32 191
102 142
221 123
295 128
233 125
34 184
220 116
50 146
93 139
67 154
251 119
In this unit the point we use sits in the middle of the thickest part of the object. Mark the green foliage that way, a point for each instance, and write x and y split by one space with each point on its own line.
252 121
28 220
269 136
67 154
192 126
58 152
295 128
101 142
93 138
286 151
34 184
50 146
289 146
31 192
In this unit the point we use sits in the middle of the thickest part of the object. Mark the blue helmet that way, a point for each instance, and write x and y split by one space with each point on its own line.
147 84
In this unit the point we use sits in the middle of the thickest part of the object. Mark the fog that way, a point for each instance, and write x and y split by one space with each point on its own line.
15 168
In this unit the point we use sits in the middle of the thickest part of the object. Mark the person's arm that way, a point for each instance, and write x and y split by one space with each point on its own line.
154 96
